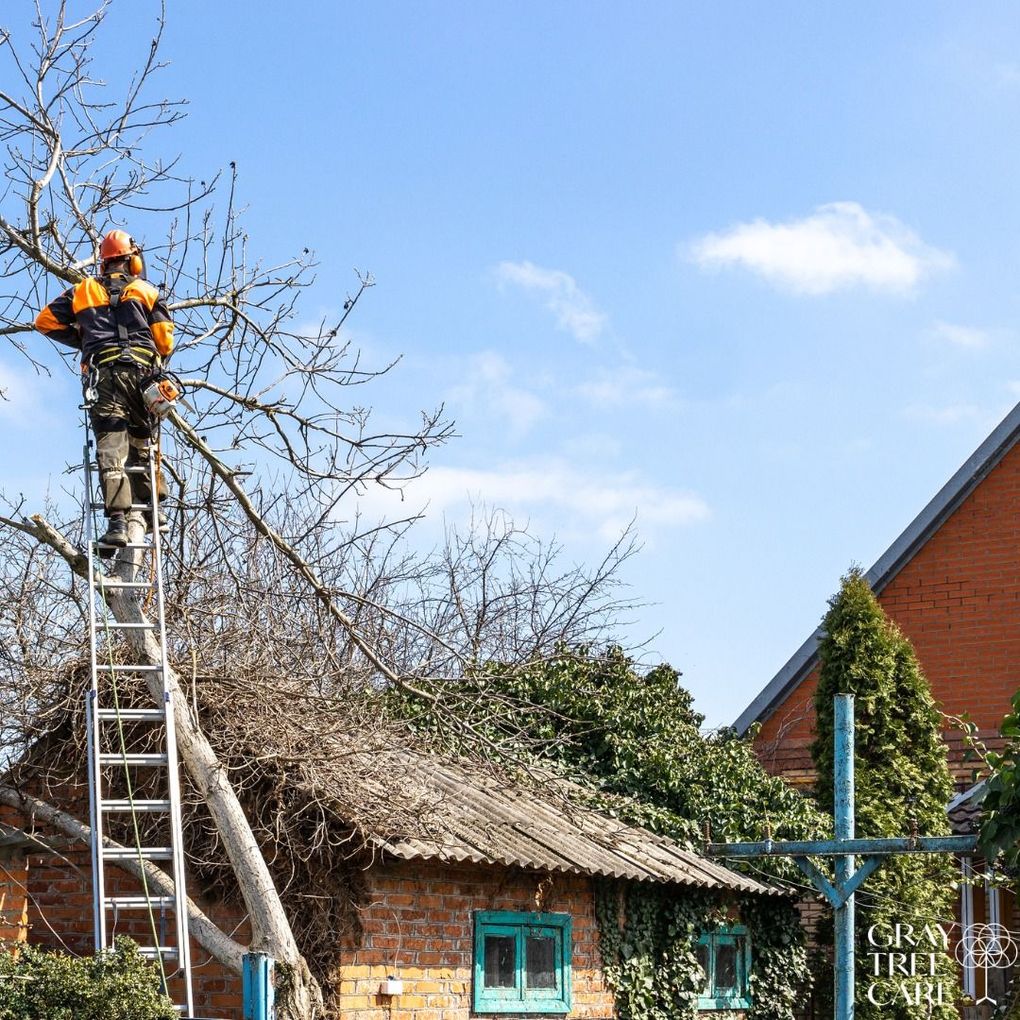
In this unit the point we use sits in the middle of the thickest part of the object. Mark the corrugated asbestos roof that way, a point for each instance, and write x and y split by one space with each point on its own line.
892 561
480 819
964 810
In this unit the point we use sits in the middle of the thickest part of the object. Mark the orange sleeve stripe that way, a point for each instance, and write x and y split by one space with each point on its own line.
141 291
47 322
163 337
89 293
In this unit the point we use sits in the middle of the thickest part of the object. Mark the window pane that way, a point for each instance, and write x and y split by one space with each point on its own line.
703 964
500 962
541 961
725 968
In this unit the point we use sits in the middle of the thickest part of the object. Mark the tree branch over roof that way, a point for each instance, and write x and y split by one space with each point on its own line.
290 607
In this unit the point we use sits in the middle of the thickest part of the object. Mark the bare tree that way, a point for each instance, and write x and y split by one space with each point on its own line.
281 599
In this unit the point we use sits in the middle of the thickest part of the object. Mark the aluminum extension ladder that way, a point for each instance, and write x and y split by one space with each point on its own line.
110 751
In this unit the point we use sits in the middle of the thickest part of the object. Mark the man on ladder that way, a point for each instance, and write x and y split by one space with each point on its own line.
124 332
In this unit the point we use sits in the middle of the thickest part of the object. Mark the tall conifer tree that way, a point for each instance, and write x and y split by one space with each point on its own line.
902 778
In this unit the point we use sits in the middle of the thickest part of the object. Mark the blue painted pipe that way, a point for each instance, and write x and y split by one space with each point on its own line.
834 847
843 865
258 974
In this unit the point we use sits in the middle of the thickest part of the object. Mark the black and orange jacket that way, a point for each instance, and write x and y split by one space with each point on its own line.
108 316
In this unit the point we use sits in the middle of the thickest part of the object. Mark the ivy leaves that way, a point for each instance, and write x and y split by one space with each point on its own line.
632 738
1000 827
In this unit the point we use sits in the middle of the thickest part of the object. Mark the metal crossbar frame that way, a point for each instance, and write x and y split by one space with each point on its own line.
105 715
847 877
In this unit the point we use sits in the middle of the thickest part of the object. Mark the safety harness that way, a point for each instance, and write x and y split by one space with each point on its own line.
161 390
125 351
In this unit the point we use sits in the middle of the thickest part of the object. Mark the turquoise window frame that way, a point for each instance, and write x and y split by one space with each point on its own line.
740 997
520 998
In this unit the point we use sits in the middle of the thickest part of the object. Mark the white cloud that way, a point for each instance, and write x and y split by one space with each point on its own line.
627 385
839 245
961 336
574 310
603 502
487 384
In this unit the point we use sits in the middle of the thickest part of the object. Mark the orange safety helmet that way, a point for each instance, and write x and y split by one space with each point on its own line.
116 245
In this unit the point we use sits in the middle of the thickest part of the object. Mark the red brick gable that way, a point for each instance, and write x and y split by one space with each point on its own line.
958 600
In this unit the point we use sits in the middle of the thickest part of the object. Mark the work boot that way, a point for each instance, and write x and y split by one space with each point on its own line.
116 536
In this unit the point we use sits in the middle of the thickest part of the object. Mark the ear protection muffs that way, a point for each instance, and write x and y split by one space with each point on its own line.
119 244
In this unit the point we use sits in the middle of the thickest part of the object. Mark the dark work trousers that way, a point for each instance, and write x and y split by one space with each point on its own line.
124 429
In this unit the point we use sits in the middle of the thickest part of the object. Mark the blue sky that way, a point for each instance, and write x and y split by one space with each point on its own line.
746 271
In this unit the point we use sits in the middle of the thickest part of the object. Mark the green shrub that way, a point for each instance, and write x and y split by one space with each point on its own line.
117 985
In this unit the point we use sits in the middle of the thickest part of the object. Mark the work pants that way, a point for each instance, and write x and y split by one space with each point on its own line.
124 429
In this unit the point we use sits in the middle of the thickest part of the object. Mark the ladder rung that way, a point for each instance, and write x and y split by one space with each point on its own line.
128 468
151 952
138 902
137 806
147 853
113 625
128 545
133 506
105 667
130 714
133 759
110 585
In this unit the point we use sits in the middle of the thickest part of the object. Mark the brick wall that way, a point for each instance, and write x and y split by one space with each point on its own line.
13 896
958 601
417 925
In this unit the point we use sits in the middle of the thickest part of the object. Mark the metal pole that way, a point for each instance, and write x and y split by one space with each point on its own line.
843 780
258 972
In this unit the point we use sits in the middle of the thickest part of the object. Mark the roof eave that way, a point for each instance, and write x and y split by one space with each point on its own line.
945 502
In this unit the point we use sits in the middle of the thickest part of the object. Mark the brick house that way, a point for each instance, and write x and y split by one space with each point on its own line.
951 581
487 909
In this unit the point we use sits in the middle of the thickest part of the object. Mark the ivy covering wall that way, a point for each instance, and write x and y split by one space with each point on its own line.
648 938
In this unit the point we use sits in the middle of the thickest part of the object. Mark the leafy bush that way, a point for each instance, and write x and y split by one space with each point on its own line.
1000 827
39 984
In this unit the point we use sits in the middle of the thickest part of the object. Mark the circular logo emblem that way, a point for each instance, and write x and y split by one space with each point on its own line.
988 946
